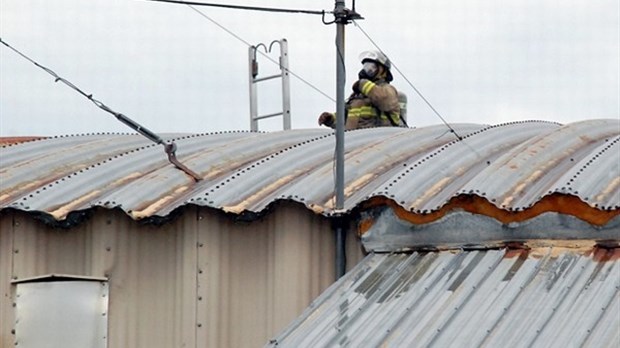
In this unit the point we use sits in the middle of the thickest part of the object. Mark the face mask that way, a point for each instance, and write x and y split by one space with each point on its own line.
369 71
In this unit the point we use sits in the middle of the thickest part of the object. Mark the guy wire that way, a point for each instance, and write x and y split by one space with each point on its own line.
262 53
169 148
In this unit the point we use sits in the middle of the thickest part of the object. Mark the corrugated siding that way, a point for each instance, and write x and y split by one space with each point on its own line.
549 297
201 280
6 266
511 165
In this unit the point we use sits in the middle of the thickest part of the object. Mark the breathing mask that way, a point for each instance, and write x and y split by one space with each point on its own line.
369 71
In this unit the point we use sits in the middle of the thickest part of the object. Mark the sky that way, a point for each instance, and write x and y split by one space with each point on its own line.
173 70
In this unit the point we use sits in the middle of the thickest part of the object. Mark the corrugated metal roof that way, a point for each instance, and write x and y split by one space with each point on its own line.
512 165
15 140
549 297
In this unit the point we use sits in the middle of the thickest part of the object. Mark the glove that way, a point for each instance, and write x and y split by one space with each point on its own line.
326 118
356 87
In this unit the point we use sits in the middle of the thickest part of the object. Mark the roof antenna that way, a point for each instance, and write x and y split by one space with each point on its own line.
170 147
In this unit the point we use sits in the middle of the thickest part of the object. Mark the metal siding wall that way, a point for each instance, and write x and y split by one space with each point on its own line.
202 280
151 271
258 277
6 266
40 250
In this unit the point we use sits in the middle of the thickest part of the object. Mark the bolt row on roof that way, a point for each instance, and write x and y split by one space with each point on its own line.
513 166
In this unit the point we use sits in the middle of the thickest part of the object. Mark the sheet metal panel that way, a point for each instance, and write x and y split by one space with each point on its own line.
536 167
512 165
200 280
548 297
305 172
597 174
428 183
6 265
84 323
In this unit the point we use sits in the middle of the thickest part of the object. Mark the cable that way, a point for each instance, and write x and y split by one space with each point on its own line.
169 148
263 54
239 7
151 136
410 83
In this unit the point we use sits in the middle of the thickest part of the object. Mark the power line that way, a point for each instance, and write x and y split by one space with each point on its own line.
263 54
410 83
170 148
240 7
190 4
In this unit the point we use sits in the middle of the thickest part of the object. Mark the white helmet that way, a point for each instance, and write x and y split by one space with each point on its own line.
378 57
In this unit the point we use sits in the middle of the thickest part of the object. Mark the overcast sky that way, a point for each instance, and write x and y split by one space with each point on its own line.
172 70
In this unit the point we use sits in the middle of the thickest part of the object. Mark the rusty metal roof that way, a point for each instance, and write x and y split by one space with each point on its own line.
511 165
545 297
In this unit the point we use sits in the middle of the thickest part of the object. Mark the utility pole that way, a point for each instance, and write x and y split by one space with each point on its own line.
341 21
343 17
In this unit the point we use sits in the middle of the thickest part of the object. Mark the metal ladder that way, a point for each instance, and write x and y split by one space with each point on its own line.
284 74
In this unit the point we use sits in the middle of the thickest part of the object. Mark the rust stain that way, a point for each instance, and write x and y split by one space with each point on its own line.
521 256
583 246
17 140
18 190
330 203
522 186
34 185
265 191
126 179
317 208
432 191
539 253
557 202
62 212
357 184
508 200
538 249
513 253
157 205
214 172
364 225
556 248
228 167
606 255
611 188
31 185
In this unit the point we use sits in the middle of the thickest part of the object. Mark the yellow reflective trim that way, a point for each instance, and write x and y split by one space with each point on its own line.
394 116
363 111
367 87
366 109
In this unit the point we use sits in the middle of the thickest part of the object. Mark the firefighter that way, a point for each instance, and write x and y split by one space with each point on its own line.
374 102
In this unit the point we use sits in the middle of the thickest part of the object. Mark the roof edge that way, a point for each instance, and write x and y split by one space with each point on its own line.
561 203
466 230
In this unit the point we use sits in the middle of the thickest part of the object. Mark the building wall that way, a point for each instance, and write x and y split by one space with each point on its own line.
202 280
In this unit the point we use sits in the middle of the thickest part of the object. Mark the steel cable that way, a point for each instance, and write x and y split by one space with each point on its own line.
169 148
410 83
